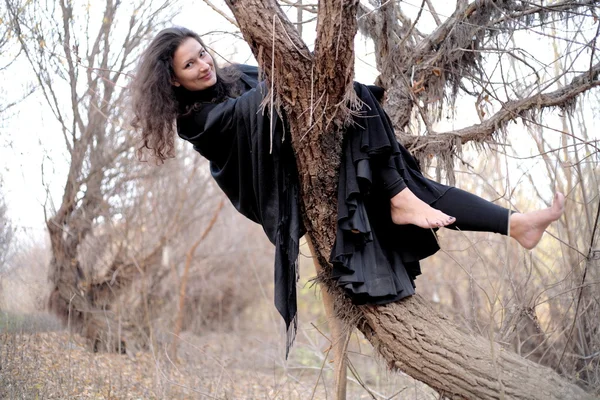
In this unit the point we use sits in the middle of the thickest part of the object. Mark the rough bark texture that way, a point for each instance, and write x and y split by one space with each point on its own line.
417 340
409 335
311 90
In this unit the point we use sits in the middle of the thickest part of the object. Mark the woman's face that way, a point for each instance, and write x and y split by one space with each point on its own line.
193 67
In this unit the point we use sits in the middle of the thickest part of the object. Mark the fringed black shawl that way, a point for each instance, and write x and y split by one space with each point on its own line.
234 136
374 260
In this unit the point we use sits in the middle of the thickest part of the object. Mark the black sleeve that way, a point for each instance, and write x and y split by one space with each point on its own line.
213 127
231 135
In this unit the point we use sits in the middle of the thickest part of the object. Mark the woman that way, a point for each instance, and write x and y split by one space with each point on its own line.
387 210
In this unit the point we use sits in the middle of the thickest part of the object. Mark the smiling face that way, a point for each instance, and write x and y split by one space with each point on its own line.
193 67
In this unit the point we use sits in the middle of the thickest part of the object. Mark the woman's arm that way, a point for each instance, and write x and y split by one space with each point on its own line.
212 128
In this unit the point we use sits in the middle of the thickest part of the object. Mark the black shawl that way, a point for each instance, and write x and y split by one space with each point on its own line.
374 260
257 172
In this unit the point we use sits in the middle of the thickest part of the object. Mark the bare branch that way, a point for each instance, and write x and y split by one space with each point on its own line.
221 13
563 98
434 14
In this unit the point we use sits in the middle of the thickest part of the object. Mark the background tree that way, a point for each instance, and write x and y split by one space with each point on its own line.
71 51
427 68
6 232
121 230
116 234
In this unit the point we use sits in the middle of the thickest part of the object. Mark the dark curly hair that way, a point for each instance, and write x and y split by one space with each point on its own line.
154 98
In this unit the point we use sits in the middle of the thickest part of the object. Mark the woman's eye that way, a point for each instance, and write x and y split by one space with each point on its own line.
202 53
187 65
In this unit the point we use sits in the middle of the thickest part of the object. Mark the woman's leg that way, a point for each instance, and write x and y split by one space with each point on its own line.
473 213
470 212
406 208
462 210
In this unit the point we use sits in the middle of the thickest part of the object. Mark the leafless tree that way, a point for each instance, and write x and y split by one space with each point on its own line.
80 56
6 232
467 53
120 233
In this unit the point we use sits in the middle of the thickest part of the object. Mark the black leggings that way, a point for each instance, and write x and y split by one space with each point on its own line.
473 213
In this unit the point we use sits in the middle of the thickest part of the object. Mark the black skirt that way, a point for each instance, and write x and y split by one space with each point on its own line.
374 260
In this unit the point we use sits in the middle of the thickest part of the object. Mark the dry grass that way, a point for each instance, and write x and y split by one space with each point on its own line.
39 364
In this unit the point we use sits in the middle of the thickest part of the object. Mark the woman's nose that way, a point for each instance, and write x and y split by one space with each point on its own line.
203 65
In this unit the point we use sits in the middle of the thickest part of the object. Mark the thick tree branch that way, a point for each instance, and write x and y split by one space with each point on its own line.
336 27
417 340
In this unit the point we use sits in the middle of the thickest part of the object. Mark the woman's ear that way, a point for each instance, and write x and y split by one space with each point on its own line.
175 83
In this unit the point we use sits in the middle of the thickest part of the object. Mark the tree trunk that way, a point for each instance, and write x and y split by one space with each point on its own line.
417 340
314 91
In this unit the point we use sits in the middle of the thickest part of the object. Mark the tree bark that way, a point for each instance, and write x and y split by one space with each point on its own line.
419 341
314 91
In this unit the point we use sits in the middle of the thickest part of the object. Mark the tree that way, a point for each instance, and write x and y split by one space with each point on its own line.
417 69
120 233
6 232
80 56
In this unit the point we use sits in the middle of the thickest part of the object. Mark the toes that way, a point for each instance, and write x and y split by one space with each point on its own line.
439 221
445 221
448 220
558 205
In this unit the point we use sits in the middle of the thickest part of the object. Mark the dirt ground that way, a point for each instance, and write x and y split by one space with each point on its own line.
219 365
56 365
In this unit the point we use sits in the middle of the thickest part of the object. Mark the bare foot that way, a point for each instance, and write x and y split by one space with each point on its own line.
409 209
529 228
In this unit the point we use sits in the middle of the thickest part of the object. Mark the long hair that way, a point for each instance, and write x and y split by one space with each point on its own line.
154 100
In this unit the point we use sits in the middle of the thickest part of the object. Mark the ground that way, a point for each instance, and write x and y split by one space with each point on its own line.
41 360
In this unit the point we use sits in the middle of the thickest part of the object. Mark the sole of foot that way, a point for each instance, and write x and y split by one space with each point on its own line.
408 209
528 228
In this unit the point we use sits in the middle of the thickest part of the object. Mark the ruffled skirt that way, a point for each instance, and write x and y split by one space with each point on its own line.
374 260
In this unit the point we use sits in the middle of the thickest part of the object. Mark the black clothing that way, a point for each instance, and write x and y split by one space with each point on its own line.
473 213
373 259
234 136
